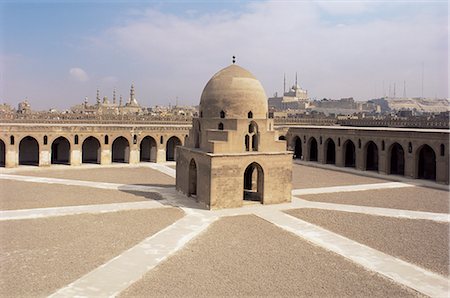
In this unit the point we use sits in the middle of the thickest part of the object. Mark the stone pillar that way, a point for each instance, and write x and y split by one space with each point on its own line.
321 158
134 155
161 155
44 158
410 165
382 162
106 157
359 159
75 157
11 157
339 156
441 169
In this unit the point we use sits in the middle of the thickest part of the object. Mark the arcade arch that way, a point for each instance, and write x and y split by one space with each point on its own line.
91 150
330 153
29 151
172 143
426 159
60 151
2 153
148 149
313 150
297 148
349 154
396 160
121 150
371 156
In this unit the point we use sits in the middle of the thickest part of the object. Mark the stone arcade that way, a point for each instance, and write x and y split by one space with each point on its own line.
233 153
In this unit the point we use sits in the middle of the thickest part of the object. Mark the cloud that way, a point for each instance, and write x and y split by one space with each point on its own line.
175 55
78 74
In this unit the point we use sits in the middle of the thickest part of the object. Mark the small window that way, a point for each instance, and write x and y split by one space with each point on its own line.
45 140
255 143
304 139
339 142
247 143
359 143
76 140
201 115
135 139
106 140
161 140
250 115
442 149
220 126
222 114
410 147
382 145
320 140
11 140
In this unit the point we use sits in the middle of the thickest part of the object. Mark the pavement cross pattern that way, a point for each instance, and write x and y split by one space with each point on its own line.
109 279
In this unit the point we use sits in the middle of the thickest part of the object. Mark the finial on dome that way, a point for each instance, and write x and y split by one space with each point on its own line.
234 59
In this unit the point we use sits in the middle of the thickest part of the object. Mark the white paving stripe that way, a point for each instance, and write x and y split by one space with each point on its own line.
348 188
119 273
163 169
101 185
410 275
442 217
71 210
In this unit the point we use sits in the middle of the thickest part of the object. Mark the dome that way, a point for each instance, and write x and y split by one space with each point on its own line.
235 91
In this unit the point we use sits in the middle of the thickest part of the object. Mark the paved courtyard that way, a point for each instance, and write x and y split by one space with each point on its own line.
123 230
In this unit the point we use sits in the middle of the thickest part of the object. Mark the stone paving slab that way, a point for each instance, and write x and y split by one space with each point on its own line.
411 198
39 256
423 281
119 273
241 256
421 242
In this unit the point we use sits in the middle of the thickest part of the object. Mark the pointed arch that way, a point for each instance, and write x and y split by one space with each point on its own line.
171 145
254 183
426 161
396 157
60 151
313 149
2 153
29 151
120 150
371 156
148 149
297 148
330 151
349 154
192 179
91 150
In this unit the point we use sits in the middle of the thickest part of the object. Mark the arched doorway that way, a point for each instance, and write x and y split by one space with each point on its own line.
312 149
331 151
172 143
397 160
192 179
349 154
2 153
91 151
254 183
61 151
148 149
427 163
29 151
371 156
121 150
298 148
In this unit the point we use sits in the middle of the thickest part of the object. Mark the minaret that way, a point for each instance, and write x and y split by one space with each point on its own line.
284 84
85 101
296 82
114 96
132 93
120 101
98 96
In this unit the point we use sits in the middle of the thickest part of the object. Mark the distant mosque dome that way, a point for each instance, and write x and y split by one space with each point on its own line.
235 91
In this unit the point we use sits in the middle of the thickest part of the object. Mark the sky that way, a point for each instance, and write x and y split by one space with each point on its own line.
55 53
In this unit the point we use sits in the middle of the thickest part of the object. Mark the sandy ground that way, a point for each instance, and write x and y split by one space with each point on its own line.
132 175
43 255
27 195
421 242
410 198
309 177
241 256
